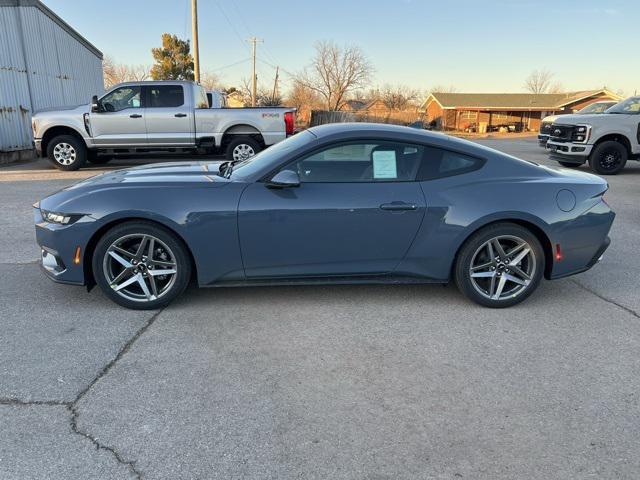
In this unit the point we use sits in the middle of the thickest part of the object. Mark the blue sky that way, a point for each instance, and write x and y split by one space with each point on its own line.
481 46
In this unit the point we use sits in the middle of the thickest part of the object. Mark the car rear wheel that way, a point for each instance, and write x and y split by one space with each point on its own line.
67 152
141 265
500 265
608 158
242 148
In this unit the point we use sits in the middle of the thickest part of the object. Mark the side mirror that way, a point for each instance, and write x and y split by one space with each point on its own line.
284 179
94 104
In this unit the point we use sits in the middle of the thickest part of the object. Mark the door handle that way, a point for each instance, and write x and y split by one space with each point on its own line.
398 206
180 115
135 115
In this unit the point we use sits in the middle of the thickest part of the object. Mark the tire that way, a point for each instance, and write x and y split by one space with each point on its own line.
67 152
608 158
242 148
113 266
569 164
489 273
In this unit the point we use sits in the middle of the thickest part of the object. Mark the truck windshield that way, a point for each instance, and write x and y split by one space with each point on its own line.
596 107
271 156
629 106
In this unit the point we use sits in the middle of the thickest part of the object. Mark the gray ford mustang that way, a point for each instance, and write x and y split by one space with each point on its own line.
344 203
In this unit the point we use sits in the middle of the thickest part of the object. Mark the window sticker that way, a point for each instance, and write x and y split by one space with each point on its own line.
384 164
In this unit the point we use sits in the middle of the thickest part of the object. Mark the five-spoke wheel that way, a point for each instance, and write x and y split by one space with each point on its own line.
500 265
141 265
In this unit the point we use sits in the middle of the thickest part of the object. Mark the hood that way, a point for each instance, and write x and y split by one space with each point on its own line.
74 109
159 173
550 118
589 118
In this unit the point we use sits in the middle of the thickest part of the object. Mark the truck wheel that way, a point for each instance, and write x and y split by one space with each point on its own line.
608 158
242 148
67 152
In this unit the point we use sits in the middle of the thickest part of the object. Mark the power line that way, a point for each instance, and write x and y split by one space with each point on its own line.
232 64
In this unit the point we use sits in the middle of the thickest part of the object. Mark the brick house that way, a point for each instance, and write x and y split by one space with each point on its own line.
522 111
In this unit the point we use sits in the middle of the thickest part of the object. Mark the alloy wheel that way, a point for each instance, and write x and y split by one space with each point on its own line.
502 267
140 267
242 152
610 160
64 153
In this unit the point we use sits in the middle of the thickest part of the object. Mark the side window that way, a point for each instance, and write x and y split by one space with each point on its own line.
162 96
361 162
438 163
121 98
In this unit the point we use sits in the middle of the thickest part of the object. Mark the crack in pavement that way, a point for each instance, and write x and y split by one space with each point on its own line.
608 300
73 406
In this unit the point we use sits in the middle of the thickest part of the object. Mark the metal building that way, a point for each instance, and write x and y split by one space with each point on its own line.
44 63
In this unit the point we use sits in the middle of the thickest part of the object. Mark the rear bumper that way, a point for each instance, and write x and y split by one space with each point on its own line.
582 241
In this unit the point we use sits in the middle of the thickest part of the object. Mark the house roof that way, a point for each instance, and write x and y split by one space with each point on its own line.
513 101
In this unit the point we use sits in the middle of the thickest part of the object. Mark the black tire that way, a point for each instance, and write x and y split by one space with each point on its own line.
67 152
569 164
167 247
474 250
608 158
250 143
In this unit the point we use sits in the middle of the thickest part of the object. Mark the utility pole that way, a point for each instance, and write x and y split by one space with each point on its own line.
275 84
254 83
194 34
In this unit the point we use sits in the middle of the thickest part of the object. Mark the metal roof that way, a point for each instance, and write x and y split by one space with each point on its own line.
513 101
49 13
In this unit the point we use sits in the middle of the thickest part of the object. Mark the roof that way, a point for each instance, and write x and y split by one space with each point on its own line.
61 23
513 101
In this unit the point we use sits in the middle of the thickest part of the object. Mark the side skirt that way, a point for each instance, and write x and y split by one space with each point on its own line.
341 280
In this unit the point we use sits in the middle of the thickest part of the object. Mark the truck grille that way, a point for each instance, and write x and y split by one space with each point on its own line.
561 133
545 128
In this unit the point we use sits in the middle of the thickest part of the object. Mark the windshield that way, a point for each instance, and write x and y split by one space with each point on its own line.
271 155
630 106
597 107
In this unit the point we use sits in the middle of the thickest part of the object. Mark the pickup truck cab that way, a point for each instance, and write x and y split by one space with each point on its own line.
592 108
158 116
606 141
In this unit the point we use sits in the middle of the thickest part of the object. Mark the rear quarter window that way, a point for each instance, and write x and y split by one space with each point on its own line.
439 163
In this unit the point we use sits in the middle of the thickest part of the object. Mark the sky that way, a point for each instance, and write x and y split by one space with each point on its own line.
475 46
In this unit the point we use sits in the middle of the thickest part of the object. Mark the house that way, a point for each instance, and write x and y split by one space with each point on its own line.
44 63
524 111
235 99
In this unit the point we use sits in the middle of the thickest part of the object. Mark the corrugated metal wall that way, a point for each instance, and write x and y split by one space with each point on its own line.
41 66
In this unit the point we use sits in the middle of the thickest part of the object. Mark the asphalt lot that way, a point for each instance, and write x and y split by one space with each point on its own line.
371 382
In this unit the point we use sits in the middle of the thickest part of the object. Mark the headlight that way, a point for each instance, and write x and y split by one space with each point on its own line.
580 133
60 218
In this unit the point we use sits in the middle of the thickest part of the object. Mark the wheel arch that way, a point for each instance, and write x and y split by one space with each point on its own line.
89 249
57 130
241 129
615 137
529 224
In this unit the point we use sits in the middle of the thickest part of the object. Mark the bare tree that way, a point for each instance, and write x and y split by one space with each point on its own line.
302 97
115 73
210 81
335 72
398 97
440 88
541 81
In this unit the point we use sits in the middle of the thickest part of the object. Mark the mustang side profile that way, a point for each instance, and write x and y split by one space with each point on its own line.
342 203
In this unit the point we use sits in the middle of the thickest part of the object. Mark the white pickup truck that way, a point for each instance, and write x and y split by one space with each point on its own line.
159 116
606 140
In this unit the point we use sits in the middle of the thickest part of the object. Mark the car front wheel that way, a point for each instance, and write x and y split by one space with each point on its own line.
500 265
67 152
141 265
608 158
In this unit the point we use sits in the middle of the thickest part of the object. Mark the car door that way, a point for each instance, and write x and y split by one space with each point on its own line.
356 212
169 115
119 121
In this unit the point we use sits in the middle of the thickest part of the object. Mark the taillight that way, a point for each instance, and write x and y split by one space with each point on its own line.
289 118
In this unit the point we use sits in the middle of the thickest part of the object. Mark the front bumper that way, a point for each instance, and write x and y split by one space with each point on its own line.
568 152
58 244
37 143
543 139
